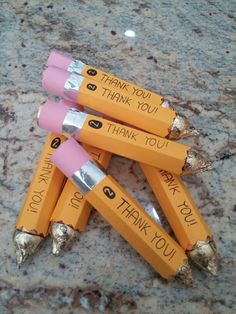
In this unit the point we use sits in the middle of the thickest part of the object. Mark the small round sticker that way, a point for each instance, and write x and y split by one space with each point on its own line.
55 142
92 87
95 124
92 72
109 192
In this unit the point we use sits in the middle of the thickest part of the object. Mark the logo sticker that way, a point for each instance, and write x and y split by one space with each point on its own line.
95 124
92 72
55 142
92 87
109 192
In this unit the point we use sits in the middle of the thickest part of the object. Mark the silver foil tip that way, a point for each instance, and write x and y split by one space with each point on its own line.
195 163
62 237
166 104
204 256
181 128
26 244
184 275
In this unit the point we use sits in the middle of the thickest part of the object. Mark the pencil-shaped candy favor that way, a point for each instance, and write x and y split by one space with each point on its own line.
120 139
122 212
72 211
144 114
183 216
33 221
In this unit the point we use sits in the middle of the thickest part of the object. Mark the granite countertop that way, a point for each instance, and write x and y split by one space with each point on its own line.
182 50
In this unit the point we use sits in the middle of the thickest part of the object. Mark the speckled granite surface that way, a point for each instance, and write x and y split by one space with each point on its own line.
183 50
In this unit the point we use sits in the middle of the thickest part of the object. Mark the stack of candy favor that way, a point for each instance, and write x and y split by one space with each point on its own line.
71 177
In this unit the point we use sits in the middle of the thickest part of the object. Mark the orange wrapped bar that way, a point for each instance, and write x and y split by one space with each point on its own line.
72 211
120 139
183 216
33 221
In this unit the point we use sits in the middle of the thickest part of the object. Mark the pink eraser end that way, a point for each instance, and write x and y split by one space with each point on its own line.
54 80
70 157
59 60
51 116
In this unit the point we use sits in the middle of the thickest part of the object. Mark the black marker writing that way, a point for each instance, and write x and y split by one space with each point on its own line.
114 82
156 142
161 244
145 107
45 170
171 182
115 96
141 93
36 199
76 200
134 216
122 131
186 211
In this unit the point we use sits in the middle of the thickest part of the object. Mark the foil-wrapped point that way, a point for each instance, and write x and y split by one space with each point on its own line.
62 237
166 104
204 256
195 163
26 244
184 274
181 128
